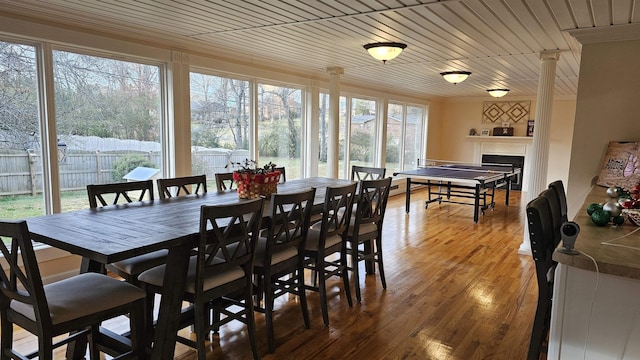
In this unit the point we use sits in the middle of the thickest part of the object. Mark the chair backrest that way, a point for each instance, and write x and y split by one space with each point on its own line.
290 220
174 186
224 181
560 193
359 173
336 211
21 281
541 233
119 191
228 237
372 202
283 174
555 212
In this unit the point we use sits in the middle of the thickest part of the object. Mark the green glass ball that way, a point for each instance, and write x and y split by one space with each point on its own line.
593 207
618 220
600 217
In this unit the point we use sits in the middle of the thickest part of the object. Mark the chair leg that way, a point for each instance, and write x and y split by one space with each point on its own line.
6 339
137 325
45 347
268 314
378 251
302 294
94 338
251 322
355 270
345 274
538 331
322 287
200 316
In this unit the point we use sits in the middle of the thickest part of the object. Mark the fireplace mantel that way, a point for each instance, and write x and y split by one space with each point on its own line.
503 145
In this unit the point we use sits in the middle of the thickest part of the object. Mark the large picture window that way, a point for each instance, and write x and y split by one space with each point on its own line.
108 118
404 136
21 168
220 123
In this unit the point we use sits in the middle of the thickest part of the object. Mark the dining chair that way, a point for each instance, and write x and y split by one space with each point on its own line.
359 173
128 269
219 277
224 181
541 236
283 174
279 262
74 305
555 209
327 237
115 193
560 193
365 229
172 187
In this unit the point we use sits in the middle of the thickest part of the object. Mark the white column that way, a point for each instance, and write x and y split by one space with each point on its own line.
334 120
539 160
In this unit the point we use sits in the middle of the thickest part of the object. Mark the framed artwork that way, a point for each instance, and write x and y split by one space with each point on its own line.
485 132
530 128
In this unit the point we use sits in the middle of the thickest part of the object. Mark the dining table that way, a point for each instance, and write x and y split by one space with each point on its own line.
117 232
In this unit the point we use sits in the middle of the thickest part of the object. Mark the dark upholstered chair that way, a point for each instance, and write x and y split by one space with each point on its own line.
74 305
366 229
359 173
561 194
224 181
128 269
328 237
219 277
279 263
181 186
542 237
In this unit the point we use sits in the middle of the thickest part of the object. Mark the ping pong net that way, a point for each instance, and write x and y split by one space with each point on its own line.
464 166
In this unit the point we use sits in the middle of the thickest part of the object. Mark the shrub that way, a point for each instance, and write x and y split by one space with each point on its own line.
127 163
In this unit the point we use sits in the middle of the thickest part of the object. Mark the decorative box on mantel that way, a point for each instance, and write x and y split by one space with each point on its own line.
502 131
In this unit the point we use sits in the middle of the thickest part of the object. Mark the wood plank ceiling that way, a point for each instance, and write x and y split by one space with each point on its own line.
499 41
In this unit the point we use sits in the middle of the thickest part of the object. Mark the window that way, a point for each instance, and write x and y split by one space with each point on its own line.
220 119
280 128
21 169
362 147
108 116
404 136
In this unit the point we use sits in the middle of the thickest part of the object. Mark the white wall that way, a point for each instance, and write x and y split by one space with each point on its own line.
459 116
607 110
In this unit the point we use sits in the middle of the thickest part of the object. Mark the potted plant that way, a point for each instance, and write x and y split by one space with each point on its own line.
253 181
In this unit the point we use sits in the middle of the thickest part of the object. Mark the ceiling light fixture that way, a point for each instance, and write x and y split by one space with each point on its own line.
385 51
498 92
455 77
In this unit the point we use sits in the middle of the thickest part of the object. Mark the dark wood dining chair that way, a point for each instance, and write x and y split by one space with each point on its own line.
279 263
328 237
359 173
114 194
127 192
555 210
283 174
365 229
541 236
558 187
184 185
219 277
74 305
224 181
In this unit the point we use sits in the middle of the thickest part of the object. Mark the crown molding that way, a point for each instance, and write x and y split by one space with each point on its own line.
602 34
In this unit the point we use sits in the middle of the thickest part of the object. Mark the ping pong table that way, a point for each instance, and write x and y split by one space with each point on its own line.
447 182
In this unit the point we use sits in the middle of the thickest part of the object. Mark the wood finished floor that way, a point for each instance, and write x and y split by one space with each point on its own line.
455 290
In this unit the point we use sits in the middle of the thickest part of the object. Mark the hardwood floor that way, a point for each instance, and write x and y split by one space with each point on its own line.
455 290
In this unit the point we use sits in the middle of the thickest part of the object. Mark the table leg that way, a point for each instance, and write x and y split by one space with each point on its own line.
408 196
476 206
506 201
166 331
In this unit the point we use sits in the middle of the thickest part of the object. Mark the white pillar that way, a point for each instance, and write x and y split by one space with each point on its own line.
539 161
333 144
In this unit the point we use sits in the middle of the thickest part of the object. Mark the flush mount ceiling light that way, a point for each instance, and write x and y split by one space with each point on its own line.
498 92
385 51
455 77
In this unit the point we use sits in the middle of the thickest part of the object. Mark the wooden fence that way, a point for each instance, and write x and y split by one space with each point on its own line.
21 171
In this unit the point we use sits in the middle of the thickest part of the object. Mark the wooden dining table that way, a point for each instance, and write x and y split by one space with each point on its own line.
117 232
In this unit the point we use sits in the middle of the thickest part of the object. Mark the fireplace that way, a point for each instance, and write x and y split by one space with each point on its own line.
517 161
